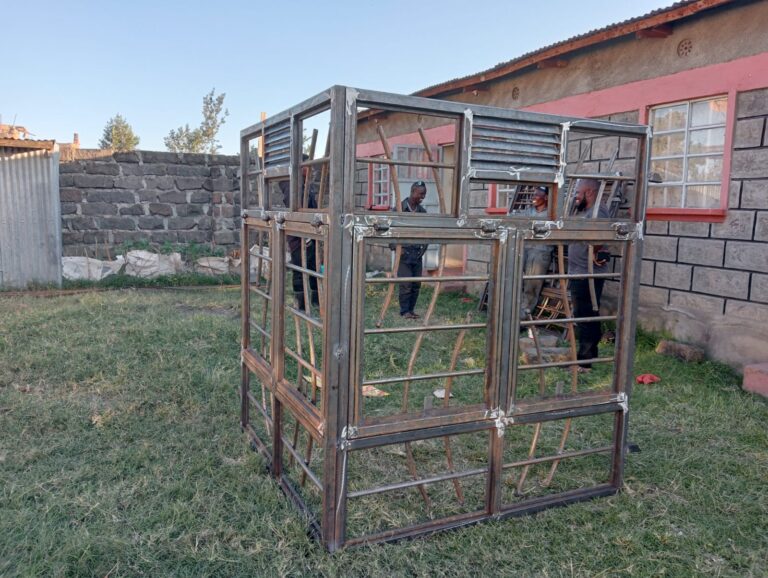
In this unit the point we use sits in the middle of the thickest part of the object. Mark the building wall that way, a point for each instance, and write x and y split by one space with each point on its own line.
109 199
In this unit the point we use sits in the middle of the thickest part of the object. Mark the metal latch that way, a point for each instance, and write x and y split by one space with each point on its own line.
541 229
381 225
489 227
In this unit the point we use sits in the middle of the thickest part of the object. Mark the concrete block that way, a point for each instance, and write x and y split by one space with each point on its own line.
749 163
737 225
93 237
77 223
147 196
189 210
155 169
722 282
696 303
146 223
656 227
71 237
172 197
66 180
70 195
701 251
689 229
93 181
734 194
604 147
224 237
754 313
630 116
628 148
160 157
132 210
653 296
624 166
761 227
161 237
69 208
181 223
759 289
219 184
70 168
752 103
116 223
754 194
96 168
127 157
110 197
747 256
647 269
205 224
189 183
196 237
749 133
160 209
188 171
194 158
98 209
159 182
673 275
756 379
120 237
660 248
200 197
132 183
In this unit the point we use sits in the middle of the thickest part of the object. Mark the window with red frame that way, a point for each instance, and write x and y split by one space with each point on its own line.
379 183
687 154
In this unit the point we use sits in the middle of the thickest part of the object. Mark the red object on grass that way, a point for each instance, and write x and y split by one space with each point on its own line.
647 378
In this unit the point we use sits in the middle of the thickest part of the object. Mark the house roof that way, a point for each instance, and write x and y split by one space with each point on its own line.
20 143
657 18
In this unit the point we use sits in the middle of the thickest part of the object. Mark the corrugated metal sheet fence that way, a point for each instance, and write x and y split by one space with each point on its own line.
30 219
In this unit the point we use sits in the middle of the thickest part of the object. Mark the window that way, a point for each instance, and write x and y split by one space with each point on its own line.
687 154
509 199
379 183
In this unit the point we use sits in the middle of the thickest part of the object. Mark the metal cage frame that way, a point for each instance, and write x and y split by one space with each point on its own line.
338 232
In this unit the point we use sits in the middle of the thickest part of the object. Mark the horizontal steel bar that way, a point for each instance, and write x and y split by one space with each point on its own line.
301 315
300 460
446 278
304 363
261 293
317 161
418 482
259 329
304 270
425 164
263 412
566 320
573 276
566 363
416 427
420 328
425 376
601 177
560 456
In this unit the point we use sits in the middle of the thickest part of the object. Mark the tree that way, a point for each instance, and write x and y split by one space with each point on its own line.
201 139
118 135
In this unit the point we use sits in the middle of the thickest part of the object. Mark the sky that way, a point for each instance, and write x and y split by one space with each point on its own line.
70 66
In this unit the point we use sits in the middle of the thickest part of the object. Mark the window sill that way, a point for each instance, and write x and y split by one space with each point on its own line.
496 211
687 215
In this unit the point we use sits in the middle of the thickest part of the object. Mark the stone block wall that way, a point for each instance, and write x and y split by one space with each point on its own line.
708 282
108 199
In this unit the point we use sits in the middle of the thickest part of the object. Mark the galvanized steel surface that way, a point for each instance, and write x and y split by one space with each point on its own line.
30 220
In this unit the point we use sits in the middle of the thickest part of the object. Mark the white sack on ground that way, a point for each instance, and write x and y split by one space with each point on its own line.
212 265
256 252
86 268
150 265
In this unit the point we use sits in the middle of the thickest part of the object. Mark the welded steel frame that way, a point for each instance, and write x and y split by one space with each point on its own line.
343 228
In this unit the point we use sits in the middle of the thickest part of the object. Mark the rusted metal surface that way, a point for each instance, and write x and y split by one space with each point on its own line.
505 436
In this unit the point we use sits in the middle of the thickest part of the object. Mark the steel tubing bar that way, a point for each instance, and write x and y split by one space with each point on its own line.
301 315
573 276
439 375
263 412
418 482
564 320
261 293
566 363
447 279
304 363
314 162
301 269
419 328
288 444
419 164
560 456
258 328
602 177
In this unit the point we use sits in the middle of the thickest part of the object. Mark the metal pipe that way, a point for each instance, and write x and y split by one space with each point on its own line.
440 375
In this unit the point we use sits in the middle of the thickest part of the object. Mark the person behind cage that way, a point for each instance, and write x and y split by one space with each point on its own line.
411 255
588 333
537 258
294 246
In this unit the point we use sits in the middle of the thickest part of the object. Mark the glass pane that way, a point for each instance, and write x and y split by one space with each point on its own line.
670 170
668 145
705 169
702 196
669 117
665 197
708 140
707 112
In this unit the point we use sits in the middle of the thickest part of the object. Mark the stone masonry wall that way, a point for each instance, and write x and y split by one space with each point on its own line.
708 283
108 199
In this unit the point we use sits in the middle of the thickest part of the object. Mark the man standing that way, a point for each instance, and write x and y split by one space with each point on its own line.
537 256
410 257
588 333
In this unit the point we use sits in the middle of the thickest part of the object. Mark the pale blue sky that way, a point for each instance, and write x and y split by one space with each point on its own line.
69 66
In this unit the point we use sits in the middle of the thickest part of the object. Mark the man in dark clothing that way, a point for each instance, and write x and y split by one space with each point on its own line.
588 333
294 246
410 257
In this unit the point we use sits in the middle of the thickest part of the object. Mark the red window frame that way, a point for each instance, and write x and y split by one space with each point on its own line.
371 205
493 208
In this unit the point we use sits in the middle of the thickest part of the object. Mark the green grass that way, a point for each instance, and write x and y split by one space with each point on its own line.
120 454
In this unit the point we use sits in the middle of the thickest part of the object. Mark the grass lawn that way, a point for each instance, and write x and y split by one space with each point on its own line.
121 455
